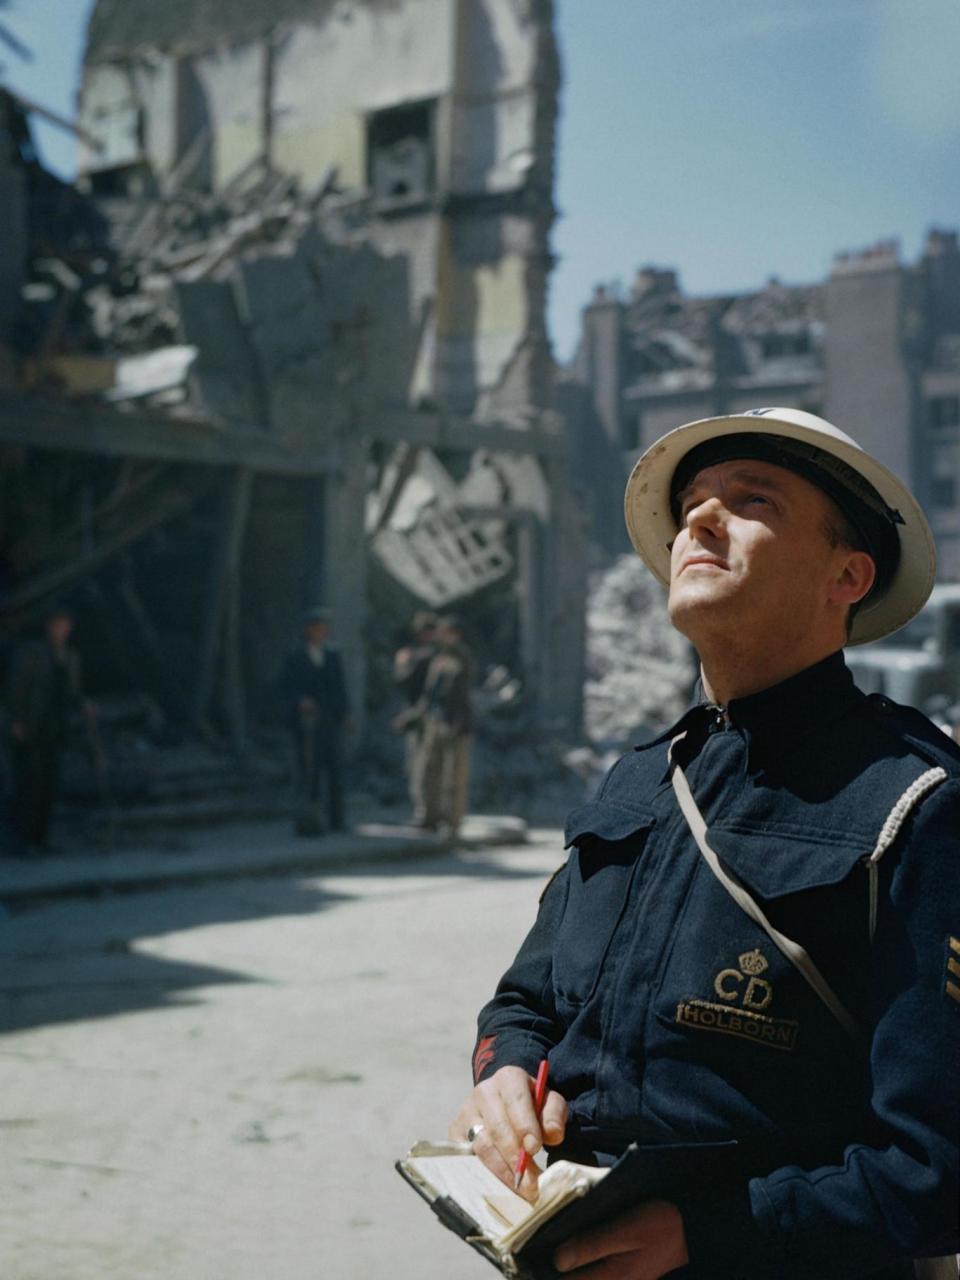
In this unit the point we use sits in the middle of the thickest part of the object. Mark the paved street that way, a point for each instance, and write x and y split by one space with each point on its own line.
212 1083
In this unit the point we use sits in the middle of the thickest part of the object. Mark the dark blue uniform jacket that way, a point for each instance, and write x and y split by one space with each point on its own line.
668 1016
301 678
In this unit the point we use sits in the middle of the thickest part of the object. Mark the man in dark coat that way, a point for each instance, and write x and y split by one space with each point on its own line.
45 685
316 708
749 966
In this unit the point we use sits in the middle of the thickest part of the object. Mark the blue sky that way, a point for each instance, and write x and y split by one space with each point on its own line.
732 139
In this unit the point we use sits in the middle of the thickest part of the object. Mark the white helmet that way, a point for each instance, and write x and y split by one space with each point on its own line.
877 503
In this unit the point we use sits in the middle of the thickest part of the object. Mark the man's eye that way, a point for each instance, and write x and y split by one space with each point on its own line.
759 497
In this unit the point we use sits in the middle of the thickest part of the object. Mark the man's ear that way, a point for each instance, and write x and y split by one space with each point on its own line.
855 580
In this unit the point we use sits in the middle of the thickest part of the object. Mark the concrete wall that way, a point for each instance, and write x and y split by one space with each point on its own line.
483 309
155 86
332 338
867 386
304 95
330 75
496 97
233 83
110 112
13 260
602 353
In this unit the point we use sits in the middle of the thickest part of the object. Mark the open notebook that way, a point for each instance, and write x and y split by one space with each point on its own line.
520 1238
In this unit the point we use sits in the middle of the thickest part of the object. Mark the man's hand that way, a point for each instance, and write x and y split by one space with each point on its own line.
504 1106
644 1244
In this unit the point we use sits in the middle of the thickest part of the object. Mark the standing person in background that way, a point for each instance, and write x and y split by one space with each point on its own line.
316 708
44 687
447 730
410 664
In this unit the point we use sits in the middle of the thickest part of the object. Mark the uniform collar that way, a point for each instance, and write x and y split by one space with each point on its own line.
777 716
786 711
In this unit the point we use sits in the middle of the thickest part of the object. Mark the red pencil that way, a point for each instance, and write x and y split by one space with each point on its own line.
539 1094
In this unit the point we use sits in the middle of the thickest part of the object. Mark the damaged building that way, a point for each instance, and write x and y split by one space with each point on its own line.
875 348
293 348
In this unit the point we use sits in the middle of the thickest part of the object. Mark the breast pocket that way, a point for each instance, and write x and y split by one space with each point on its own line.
728 993
608 843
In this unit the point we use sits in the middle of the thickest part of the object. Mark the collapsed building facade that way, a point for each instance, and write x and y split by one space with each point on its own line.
295 350
875 348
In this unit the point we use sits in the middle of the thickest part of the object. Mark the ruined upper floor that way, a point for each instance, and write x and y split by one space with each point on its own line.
405 99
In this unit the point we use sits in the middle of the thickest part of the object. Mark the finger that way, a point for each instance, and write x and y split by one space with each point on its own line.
529 1184
485 1148
553 1120
517 1095
469 1114
461 1122
625 1266
642 1244
499 1125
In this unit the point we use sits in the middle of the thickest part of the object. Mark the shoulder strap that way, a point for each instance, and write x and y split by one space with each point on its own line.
891 829
794 952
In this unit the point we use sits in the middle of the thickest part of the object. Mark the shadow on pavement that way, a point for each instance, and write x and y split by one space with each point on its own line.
75 960
456 862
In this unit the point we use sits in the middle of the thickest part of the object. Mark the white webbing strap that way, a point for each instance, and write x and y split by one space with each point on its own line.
794 952
891 829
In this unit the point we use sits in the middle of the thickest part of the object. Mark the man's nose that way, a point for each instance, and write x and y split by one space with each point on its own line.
707 514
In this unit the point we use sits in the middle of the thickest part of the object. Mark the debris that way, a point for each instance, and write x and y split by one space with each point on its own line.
160 370
639 669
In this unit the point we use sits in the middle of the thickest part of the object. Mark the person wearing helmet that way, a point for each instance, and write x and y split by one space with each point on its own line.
752 955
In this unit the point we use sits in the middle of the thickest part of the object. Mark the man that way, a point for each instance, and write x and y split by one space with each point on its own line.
445 714
316 707
410 665
819 1027
45 686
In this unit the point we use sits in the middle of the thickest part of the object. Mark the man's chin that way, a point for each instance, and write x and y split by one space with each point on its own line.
690 608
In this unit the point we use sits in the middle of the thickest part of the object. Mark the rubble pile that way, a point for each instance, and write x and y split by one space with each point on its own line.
102 314
639 670
137 769
188 236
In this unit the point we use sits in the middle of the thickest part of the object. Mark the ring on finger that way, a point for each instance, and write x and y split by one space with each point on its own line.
474 1132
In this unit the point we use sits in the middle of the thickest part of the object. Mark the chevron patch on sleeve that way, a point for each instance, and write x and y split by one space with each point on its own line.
953 969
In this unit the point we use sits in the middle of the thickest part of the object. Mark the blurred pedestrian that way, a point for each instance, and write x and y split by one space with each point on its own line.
316 708
447 730
410 665
45 686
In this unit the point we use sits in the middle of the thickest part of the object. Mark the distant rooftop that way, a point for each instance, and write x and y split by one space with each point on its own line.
119 28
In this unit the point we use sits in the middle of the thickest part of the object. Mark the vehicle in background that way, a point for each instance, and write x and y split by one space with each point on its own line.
919 664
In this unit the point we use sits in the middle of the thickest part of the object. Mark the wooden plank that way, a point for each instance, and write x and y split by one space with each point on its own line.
91 427
84 427
219 629
441 431
234 690
174 697
168 504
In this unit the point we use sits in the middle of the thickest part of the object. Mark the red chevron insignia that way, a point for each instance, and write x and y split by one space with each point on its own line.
483 1056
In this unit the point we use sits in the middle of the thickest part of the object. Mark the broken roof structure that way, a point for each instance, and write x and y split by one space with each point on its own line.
873 347
321 286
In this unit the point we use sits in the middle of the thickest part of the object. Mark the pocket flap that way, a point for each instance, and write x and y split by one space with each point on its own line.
606 819
775 863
